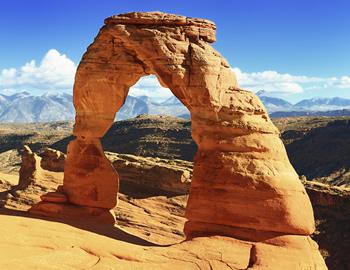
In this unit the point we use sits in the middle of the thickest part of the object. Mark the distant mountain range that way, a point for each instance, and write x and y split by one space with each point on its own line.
135 106
24 107
278 107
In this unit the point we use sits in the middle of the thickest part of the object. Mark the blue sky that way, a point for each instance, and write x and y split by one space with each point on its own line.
293 49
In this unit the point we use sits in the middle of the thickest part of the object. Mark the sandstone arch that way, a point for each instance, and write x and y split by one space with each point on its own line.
243 183
240 152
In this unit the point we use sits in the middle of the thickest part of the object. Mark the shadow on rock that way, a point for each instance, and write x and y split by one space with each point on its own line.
113 232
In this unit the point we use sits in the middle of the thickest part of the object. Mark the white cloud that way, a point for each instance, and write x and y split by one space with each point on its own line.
284 83
274 82
342 82
149 86
54 73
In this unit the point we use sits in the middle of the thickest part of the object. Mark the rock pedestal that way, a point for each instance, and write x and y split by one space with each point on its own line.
243 184
30 168
89 177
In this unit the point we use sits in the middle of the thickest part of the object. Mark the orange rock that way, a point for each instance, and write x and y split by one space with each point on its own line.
89 177
30 167
55 197
53 245
52 160
242 177
69 212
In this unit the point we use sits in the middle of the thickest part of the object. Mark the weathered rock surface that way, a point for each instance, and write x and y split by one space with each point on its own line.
332 213
30 168
53 245
160 219
172 176
71 212
156 174
243 184
52 160
89 178
55 197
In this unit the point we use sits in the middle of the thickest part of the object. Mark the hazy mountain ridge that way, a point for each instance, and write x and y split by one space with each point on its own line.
25 108
313 106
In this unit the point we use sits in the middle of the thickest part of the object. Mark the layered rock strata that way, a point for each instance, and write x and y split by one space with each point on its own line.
156 174
159 175
243 184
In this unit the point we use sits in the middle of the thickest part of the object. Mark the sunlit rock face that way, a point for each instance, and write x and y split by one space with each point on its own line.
243 184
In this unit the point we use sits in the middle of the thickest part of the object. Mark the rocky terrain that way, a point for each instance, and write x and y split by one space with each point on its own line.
140 194
316 146
36 135
332 213
150 213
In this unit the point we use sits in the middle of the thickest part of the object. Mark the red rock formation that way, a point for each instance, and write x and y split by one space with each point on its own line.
243 185
52 160
30 168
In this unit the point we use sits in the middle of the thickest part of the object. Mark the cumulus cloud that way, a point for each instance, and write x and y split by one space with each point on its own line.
342 82
274 82
283 83
150 86
55 72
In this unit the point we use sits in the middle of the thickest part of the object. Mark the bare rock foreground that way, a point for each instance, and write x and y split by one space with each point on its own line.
148 234
247 208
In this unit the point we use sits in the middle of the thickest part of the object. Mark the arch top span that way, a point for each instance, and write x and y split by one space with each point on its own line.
204 29
174 48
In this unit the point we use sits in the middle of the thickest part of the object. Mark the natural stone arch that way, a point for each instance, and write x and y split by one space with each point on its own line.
243 184
242 176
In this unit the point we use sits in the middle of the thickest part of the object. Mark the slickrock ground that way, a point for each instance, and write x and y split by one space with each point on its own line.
148 236
152 240
164 224
50 245
165 211
147 224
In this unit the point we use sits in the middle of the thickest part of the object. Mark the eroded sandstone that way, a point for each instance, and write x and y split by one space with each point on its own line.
243 183
30 168
52 160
